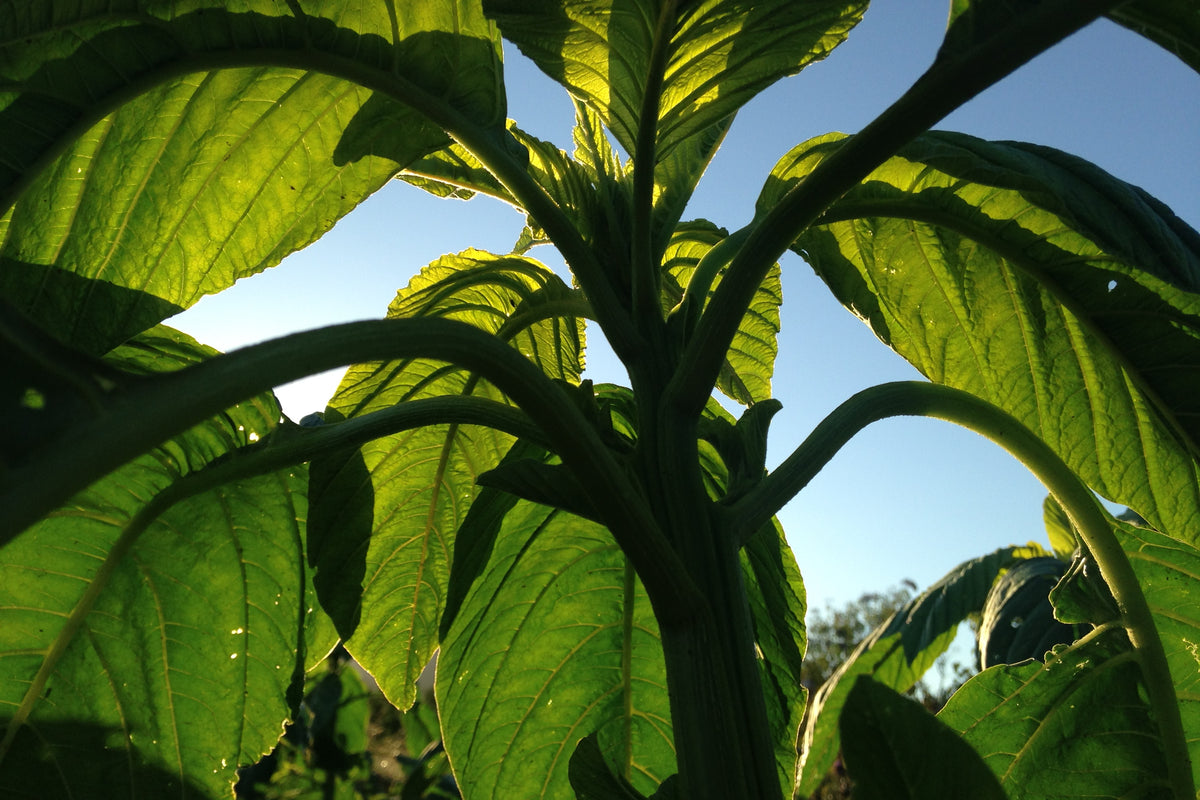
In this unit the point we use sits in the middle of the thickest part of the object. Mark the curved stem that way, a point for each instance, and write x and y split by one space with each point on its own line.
707 269
1084 510
946 85
166 405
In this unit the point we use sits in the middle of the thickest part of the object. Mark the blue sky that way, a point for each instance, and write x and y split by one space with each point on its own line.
907 498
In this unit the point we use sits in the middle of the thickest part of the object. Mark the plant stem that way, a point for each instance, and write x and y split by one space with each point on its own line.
722 733
644 265
943 402
165 405
947 84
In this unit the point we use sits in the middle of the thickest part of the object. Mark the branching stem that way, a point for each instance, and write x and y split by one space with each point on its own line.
166 405
950 82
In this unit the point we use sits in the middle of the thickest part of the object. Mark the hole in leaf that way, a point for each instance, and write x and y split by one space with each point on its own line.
1112 285
33 399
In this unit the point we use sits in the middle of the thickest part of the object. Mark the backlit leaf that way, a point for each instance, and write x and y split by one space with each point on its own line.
555 641
1073 727
211 175
1080 726
1169 572
165 655
601 51
750 362
718 55
385 516
1041 284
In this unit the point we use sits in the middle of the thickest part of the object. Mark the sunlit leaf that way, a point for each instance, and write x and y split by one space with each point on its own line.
384 517
210 176
718 55
556 640
1073 727
601 51
168 653
1169 573
750 362
1080 725
1041 284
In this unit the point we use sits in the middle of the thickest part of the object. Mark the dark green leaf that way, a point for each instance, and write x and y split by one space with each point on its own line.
1041 284
385 516
777 606
894 748
591 777
898 653
476 537
1018 622
775 591
1173 24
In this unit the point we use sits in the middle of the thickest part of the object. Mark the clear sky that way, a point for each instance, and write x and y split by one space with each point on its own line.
907 498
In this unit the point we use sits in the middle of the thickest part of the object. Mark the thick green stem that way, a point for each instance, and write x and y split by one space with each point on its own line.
722 733
1081 506
949 83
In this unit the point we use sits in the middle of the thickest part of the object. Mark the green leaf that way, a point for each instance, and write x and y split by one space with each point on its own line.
1018 622
1074 727
1080 725
1059 530
591 778
894 748
604 53
775 592
898 653
385 516
169 638
1036 281
777 606
1169 572
1173 24
750 362
601 51
476 537
556 640
152 201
